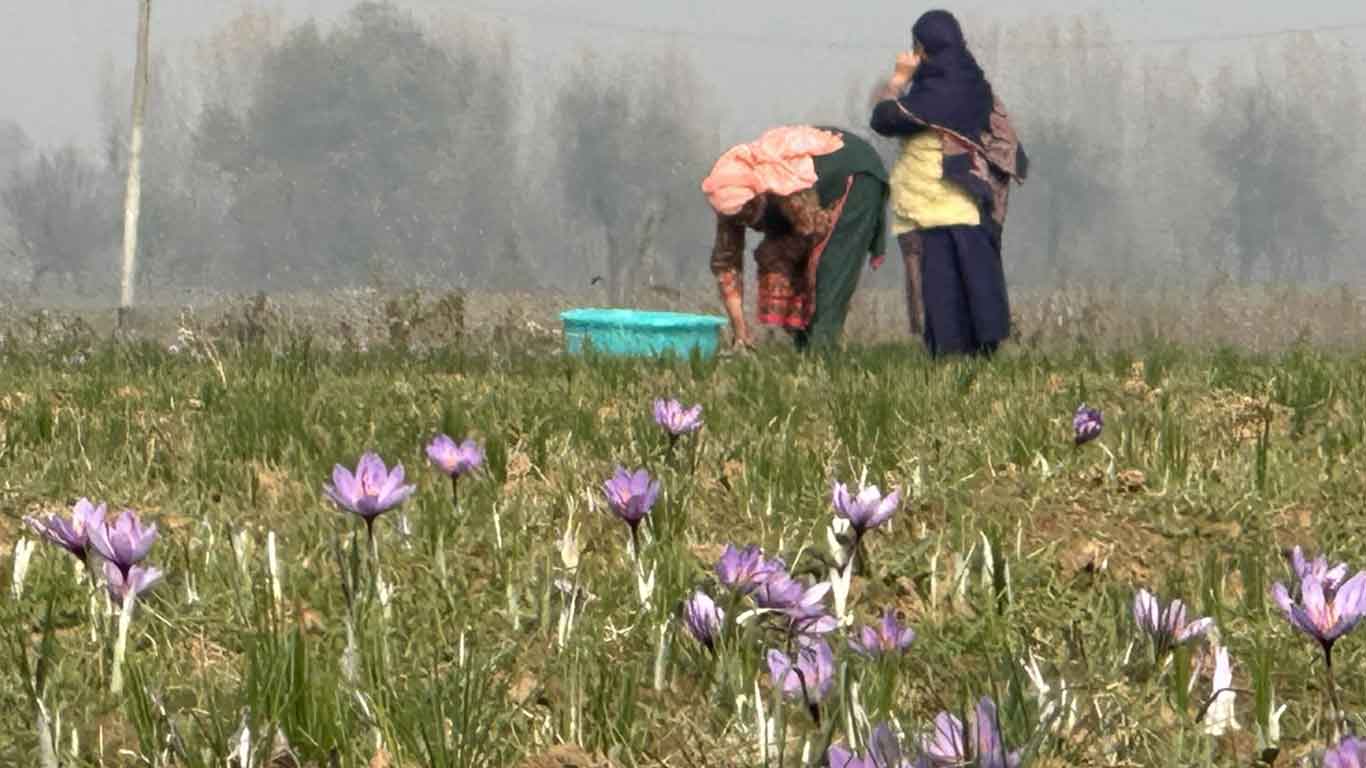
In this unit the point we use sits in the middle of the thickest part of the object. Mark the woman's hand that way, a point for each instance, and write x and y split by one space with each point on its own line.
907 63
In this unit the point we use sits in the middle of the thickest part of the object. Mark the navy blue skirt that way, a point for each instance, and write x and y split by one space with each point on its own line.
967 311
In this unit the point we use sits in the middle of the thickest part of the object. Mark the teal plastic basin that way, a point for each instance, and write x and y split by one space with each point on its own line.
633 333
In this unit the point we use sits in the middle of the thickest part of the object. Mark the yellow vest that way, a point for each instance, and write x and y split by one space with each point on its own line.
921 197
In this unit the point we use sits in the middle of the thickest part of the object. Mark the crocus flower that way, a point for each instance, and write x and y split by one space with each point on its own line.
1349 753
1331 578
1324 612
888 636
1087 424
138 580
677 420
743 570
125 543
866 511
702 616
810 677
809 616
455 459
371 491
631 495
778 591
991 747
1166 625
73 536
803 606
884 751
944 746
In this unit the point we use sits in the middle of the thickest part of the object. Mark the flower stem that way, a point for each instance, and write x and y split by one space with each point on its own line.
373 552
1336 716
121 643
859 560
455 492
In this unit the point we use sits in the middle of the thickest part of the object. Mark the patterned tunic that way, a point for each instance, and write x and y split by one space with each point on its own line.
792 227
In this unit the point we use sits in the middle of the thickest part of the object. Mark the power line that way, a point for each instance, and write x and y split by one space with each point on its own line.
786 42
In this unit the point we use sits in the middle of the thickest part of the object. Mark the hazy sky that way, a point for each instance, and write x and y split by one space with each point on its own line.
52 51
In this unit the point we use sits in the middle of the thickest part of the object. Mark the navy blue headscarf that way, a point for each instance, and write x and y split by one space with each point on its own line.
949 89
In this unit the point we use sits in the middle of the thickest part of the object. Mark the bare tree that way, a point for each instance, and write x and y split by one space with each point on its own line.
1278 160
14 148
630 161
60 211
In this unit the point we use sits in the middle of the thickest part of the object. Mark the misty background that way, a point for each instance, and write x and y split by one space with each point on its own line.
515 145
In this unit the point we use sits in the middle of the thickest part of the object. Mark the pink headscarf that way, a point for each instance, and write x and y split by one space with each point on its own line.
779 161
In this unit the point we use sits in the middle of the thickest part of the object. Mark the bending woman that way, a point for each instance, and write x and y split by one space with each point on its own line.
950 189
818 195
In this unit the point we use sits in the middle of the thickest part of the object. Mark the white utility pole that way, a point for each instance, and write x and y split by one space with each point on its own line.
133 198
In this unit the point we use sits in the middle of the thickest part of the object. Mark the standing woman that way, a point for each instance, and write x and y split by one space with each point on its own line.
949 188
819 197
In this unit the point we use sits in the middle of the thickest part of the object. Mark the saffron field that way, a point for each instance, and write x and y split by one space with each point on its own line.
739 597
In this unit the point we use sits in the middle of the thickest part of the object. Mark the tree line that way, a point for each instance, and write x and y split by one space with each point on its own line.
386 150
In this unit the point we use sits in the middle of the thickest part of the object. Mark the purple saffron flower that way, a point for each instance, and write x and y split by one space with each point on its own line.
1166 625
371 491
677 420
702 616
455 459
884 751
778 591
125 543
866 511
775 591
808 615
945 745
1324 613
631 495
1331 578
812 675
743 570
138 580
1349 753
887 637
73 536
1087 424
991 747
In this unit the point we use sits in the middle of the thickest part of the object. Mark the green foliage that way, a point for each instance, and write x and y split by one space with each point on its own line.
465 658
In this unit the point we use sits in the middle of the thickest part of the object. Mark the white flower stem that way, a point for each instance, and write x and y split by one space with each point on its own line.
273 564
662 656
47 753
121 644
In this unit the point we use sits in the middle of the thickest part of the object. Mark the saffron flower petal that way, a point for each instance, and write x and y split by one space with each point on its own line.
677 420
1087 424
455 460
371 490
126 542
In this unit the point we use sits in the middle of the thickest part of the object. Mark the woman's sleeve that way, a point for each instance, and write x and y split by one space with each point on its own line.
803 210
728 254
890 118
